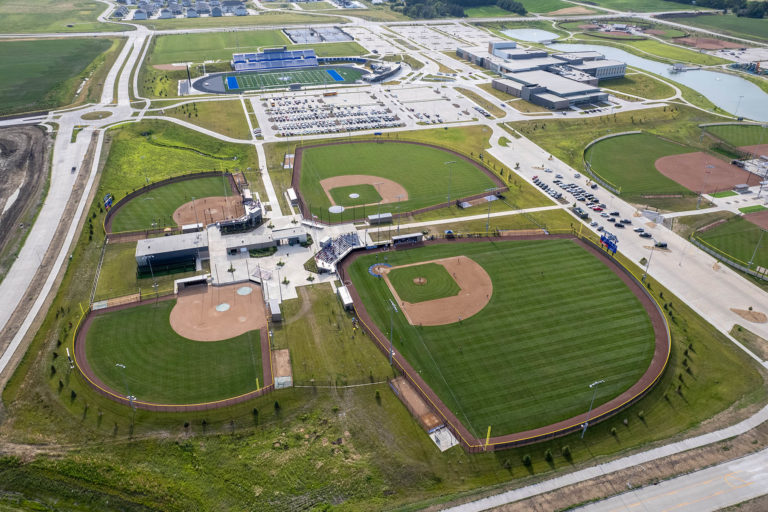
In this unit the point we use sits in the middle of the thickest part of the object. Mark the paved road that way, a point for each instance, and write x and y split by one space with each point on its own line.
703 491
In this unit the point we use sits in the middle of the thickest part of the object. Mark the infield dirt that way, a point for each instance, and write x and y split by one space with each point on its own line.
208 210
390 191
700 172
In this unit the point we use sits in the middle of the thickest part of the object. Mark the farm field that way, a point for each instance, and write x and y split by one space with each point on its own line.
487 11
156 207
20 16
44 74
318 76
544 6
391 161
264 18
749 28
161 366
627 161
165 150
740 135
644 6
738 238
225 117
507 367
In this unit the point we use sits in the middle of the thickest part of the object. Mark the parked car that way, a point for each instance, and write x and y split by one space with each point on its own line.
645 235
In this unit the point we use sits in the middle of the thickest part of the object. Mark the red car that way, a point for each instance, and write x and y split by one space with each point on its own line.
597 209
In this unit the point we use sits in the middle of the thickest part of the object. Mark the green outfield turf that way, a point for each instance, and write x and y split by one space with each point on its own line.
426 174
738 238
558 320
269 80
367 193
38 75
161 366
439 283
156 207
627 161
740 134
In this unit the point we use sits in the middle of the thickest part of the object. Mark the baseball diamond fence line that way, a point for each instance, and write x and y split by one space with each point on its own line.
620 266
119 236
588 166
307 214
728 259
81 362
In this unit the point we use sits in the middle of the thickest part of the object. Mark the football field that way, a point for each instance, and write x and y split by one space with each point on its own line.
275 79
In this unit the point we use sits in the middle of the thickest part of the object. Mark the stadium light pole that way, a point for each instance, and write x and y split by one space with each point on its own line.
648 263
128 394
594 393
488 219
752 259
450 176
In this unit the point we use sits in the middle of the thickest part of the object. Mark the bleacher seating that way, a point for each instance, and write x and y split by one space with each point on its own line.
273 59
337 249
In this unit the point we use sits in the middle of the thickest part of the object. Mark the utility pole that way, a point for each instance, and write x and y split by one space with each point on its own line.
586 422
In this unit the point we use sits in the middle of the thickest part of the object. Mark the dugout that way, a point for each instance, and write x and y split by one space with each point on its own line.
180 284
381 218
412 238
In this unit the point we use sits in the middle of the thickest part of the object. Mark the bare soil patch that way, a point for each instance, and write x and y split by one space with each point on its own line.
281 363
707 43
475 292
208 210
415 403
757 317
760 219
388 190
571 10
196 317
421 281
691 171
169 67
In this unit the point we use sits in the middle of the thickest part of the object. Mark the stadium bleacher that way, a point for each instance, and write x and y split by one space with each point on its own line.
274 58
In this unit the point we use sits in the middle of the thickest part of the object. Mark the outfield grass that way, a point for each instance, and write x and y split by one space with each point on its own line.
740 134
439 283
19 16
738 238
44 74
156 207
367 193
628 161
161 366
558 319
421 170
225 117
274 79
169 150
640 84
749 28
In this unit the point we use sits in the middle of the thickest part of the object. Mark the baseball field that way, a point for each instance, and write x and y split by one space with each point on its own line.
162 366
404 177
156 208
534 323
740 238
740 134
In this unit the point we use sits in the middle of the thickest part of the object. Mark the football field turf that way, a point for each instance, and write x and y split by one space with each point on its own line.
558 319
163 367
274 79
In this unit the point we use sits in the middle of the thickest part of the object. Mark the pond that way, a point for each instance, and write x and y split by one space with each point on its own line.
731 93
533 35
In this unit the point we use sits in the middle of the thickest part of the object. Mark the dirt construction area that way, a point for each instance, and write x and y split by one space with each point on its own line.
702 173
476 290
208 210
23 168
388 190
213 313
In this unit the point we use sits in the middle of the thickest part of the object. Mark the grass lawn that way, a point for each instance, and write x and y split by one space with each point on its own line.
168 150
738 238
725 193
21 16
323 344
740 134
558 319
44 74
753 208
487 11
168 49
225 117
484 103
749 28
161 366
653 49
422 171
367 195
439 283
639 84
156 207
628 162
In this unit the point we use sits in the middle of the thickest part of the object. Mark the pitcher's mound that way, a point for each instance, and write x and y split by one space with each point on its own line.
421 281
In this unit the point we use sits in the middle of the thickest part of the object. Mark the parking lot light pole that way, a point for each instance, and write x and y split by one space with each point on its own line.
648 263
128 394
586 422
